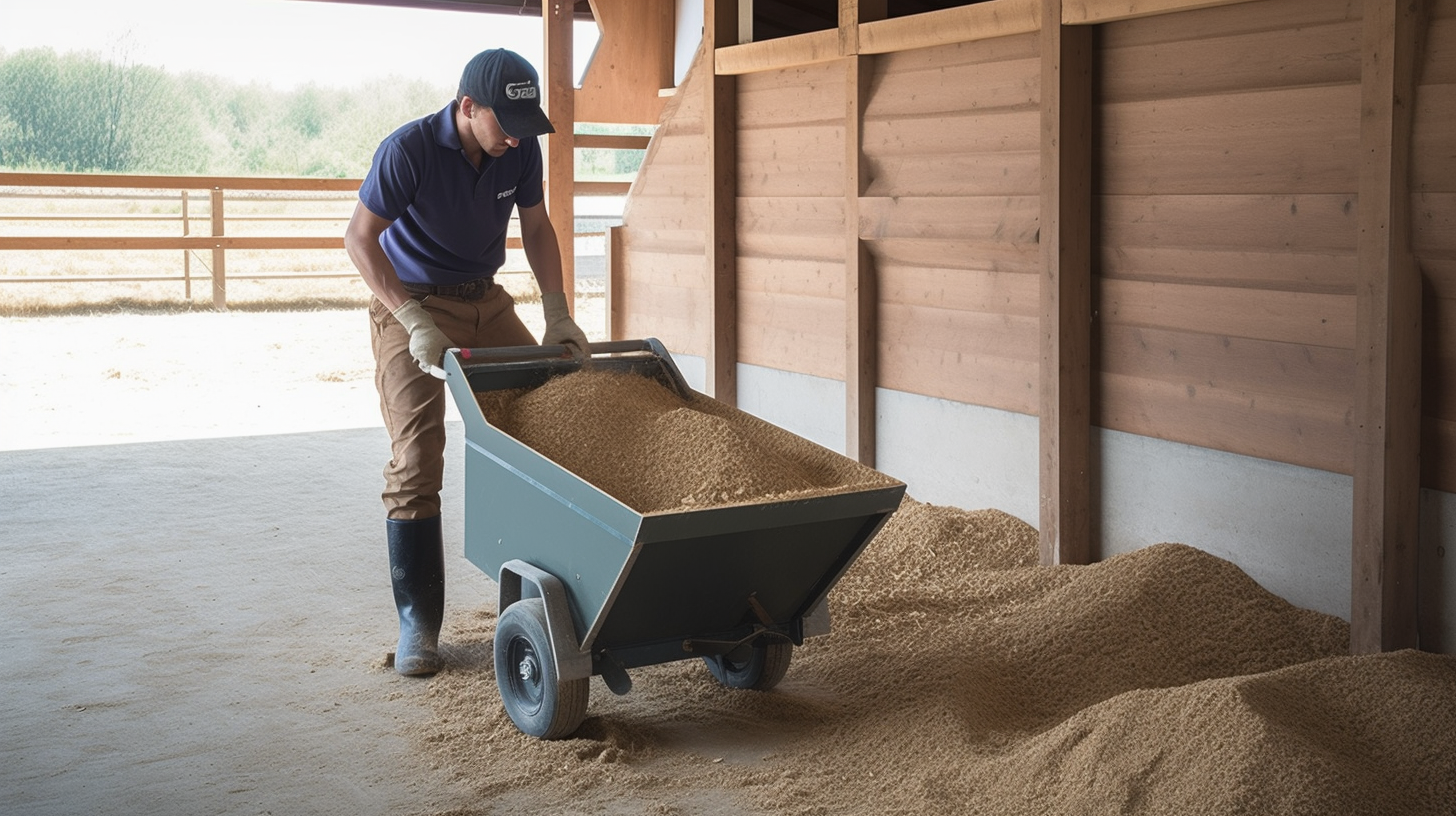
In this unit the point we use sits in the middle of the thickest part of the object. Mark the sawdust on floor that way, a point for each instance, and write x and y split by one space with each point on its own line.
962 678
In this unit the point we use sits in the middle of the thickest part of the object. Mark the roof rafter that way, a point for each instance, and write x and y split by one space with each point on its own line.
581 9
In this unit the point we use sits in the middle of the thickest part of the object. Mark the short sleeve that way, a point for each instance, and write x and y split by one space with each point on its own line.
393 179
529 190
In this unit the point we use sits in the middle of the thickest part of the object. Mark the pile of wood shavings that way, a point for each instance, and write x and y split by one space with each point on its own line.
653 450
961 678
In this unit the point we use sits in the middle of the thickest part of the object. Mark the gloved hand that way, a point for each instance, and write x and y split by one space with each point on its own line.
560 328
427 343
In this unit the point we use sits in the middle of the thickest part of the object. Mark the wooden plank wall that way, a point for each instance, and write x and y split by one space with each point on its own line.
1433 205
1225 225
1226 228
790 241
661 287
950 214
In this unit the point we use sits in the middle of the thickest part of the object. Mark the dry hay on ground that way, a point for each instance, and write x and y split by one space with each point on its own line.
961 678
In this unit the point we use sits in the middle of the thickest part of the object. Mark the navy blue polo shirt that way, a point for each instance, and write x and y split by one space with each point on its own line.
448 220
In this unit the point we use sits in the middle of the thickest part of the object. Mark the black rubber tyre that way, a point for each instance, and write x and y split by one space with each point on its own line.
538 702
763 669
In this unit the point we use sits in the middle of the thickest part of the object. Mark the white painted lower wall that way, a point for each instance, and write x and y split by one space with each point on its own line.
1287 527
812 407
959 455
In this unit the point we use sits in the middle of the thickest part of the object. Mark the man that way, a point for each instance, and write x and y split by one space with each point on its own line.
427 236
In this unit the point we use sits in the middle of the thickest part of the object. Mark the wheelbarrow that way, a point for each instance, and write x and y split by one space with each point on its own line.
590 587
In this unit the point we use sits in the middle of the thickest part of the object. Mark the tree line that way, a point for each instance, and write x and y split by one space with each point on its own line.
79 113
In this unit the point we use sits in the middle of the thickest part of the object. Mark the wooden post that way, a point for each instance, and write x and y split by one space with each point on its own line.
1386 517
613 272
219 262
745 23
558 83
1066 288
861 290
720 108
851 14
186 253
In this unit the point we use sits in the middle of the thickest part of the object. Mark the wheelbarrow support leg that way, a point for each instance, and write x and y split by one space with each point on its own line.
515 575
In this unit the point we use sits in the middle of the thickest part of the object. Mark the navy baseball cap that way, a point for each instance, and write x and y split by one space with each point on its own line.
504 82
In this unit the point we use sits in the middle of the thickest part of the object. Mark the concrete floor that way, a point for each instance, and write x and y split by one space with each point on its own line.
197 627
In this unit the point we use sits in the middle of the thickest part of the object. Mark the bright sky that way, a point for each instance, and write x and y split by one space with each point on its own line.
284 43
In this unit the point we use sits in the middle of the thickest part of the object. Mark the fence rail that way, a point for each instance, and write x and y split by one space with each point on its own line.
216 193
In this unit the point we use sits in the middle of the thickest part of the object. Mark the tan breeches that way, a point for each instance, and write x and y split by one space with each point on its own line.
413 402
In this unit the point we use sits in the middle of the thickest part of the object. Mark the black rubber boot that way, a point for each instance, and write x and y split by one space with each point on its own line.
417 573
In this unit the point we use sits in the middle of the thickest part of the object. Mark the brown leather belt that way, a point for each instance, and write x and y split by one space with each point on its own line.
470 290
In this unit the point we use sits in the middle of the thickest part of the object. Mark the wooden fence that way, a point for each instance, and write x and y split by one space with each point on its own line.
203 217
192 199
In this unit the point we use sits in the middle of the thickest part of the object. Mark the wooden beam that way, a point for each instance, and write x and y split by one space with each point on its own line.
560 146
1386 518
861 292
1066 289
602 188
262 276
84 180
784 52
608 142
994 18
632 62
875 35
1089 12
514 8
183 242
720 109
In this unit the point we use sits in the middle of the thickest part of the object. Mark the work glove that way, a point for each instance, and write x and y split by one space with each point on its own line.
427 343
560 328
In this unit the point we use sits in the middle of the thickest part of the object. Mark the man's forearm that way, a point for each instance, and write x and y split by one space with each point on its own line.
373 265
543 254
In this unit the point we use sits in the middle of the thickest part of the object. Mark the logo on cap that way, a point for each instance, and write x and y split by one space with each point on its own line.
520 90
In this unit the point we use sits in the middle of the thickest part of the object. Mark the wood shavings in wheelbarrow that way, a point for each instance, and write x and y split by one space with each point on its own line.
643 444
961 678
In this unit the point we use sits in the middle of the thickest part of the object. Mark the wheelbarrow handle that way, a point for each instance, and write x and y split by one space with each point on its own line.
560 359
549 352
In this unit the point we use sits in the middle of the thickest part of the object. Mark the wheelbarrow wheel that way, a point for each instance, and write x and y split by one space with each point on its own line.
537 700
764 667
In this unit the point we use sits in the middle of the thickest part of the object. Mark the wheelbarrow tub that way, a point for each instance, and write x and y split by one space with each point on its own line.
648 588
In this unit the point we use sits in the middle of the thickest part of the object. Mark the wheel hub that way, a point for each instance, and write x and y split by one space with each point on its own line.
527 669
